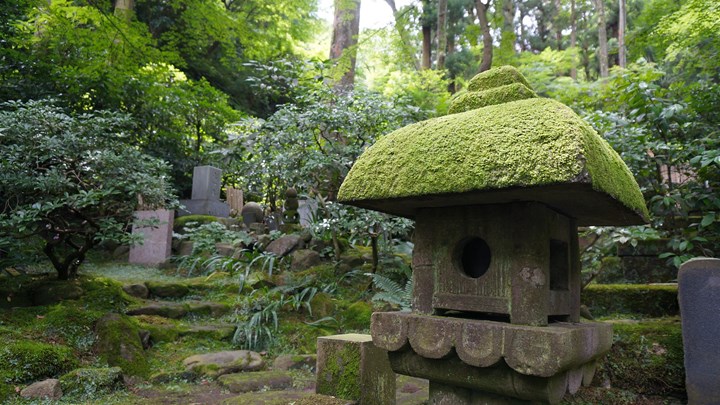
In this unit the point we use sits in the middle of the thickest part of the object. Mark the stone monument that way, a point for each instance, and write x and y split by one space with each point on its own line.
157 240
290 211
207 181
497 189
699 296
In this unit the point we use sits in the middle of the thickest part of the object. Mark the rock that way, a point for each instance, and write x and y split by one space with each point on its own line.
53 292
214 309
304 259
216 332
251 213
261 380
136 290
167 290
166 310
89 382
322 305
295 362
120 345
165 378
262 242
225 249
46 389
283 245
353 260
219 363
357 316
121 252
185 248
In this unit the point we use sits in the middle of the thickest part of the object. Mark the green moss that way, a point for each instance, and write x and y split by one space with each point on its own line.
180 222
498 95
646 358
341 375
631 299
532 142
91 382
25 361
119 344
357 316
496 77
71 324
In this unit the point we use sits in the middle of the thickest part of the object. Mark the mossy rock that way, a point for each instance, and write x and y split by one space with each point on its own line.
534 149
639 300
72 324
167 290
646 358
471 100
496 77
52 292
25 360
322 305
119 344
357 316
180 222
91 382
256 381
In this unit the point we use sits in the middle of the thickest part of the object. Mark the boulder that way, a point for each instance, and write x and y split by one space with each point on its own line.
295 362
166 310
225 249
136 290
304 259
167 290
89 382
119 344
46 389
219 363
250 382
53 292
283 245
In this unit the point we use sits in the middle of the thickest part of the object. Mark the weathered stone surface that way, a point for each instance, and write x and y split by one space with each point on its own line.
352 367
157 240
46 389
206 183
136 290
225 249
220 363
166 310
185 248
53 292
213 309
252 213
260 380
283 245
294 362
119 344
304 259
538 351
89 382
699 296
167 290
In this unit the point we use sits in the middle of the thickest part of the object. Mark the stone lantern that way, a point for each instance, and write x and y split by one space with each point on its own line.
498 189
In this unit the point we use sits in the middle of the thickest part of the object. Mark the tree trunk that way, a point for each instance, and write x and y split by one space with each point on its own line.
507 36
621 34
602 39
124 9
487 55
442 34
556 23
407 48
426 36
343 46
573 39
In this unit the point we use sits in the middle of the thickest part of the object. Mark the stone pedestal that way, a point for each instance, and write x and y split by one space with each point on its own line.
157 240
351 367
699 296
467 360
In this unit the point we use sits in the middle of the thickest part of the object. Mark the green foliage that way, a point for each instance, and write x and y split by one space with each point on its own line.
398 293
70 182
26 361
180 222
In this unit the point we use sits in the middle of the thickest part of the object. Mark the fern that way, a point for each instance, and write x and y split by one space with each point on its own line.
392 292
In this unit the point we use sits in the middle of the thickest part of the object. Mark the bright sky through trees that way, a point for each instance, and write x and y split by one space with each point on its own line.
373 13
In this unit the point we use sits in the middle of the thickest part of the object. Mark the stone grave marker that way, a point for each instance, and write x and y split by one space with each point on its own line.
699 296
207 181
157 241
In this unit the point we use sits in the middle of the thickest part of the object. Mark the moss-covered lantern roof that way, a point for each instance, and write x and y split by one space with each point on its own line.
501 143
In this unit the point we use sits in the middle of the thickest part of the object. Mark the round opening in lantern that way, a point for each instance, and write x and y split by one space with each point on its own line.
475 257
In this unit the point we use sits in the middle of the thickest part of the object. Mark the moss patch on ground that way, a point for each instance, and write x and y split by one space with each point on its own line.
26 361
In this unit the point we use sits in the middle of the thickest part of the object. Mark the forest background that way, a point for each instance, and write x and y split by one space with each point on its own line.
276 97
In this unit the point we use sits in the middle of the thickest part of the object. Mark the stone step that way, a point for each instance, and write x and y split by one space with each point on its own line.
177 310
256 381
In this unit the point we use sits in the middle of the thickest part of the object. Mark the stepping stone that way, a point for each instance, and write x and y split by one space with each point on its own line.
261 380
166 310
46 389
295 362
284 397
219 363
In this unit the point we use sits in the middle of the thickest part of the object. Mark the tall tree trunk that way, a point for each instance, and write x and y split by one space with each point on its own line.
442 34
487 55
343 46
521 39
602 38
573 39
407 48
124 8
426 36
621 34
556 23
507 36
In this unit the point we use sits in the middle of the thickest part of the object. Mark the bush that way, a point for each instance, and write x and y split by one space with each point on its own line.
631 299
70 181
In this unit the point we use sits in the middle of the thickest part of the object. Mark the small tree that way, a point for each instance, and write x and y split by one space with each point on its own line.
71 181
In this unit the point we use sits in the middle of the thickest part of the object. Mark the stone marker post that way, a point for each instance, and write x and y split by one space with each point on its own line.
157 241
699 296
207 181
